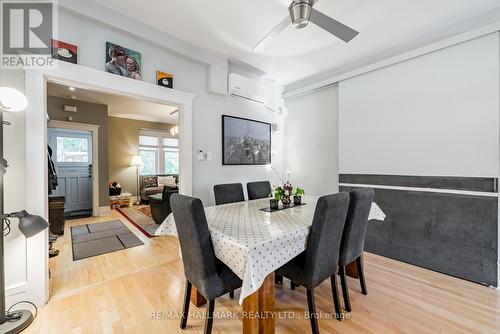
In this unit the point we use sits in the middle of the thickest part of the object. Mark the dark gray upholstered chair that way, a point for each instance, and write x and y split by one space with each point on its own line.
258 190
319 261
160 204
353 239
202 269
228 193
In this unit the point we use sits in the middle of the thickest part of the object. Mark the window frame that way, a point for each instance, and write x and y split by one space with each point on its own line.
159 150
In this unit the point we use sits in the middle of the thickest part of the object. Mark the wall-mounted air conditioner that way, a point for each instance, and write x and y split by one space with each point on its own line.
247 88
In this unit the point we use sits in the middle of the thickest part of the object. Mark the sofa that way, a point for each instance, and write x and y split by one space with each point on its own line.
149 185
160 204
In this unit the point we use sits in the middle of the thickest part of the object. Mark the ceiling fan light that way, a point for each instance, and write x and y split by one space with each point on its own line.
300 13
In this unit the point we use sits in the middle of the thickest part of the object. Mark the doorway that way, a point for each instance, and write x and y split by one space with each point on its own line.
72 158
37 275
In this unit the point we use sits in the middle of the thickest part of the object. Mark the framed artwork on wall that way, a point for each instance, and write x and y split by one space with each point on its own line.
164 79
245 141
124 62
64 51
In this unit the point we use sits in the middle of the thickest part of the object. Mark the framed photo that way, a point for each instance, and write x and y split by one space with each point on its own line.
64 51
164 79
245 141
124 62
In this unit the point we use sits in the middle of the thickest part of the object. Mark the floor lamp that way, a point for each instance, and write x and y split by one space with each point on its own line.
138 163
29 225
12 100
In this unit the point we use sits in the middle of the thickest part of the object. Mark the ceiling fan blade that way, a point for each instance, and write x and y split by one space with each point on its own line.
333 26
273 33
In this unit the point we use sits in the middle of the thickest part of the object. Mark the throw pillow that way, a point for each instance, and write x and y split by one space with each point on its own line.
150 181
168 181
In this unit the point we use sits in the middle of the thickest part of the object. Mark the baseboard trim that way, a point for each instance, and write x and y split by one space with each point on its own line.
16 289
104 210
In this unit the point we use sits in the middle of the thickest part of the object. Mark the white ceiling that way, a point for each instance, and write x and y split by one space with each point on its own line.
118 105
234 27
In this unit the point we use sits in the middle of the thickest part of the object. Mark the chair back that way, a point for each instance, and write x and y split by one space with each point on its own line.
258 190
228 193
197 250
353 238
323 244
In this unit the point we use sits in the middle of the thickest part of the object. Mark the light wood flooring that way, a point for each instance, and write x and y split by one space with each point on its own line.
119 293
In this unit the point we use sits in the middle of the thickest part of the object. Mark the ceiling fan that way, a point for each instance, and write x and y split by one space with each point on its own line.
301 13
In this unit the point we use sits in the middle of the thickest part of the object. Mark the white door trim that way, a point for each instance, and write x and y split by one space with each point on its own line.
95 155
36 146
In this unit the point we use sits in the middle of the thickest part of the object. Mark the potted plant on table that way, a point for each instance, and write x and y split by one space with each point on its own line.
297 196
274 201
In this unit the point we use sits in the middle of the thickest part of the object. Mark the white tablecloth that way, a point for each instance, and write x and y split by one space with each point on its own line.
254 243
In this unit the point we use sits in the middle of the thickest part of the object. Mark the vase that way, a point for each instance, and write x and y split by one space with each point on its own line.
286 201
274 204
297 200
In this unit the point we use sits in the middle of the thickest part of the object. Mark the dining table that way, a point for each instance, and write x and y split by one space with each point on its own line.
253 243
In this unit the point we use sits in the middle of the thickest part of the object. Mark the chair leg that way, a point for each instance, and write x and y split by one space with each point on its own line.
345 289
231 294
292 285
335 293
361 272
185 308
278 279
209 317
312 311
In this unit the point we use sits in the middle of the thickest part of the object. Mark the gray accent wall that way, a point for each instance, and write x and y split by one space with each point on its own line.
455 234
429 122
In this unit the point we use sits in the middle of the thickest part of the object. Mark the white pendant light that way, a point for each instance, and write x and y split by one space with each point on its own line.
12 100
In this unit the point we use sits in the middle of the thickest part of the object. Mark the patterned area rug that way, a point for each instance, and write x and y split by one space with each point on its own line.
141 218
146 210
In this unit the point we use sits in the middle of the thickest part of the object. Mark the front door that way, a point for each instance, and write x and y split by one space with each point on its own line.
72 156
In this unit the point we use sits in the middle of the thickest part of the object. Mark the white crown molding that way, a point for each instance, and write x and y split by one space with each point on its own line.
319 81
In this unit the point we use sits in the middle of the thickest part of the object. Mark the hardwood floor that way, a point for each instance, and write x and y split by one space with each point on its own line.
139 290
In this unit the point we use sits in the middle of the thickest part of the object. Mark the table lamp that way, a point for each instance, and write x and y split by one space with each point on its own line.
29 225
137 162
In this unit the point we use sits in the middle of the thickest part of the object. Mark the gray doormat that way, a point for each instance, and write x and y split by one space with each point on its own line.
96 239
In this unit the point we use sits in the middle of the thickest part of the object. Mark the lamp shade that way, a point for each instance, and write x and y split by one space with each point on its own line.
12 100
30 225
137 161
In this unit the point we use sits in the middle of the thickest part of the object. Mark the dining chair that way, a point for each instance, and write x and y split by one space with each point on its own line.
353 239
228 193
202 269
258 190
319 261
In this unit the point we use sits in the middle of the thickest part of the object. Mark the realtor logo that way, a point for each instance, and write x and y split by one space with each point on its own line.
27 31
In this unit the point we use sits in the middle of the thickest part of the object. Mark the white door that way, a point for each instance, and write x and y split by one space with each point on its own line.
72 156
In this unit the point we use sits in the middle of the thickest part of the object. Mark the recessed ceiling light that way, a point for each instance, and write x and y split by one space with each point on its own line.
72 89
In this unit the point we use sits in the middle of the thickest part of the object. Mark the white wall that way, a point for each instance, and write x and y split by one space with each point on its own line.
432 115
14 191
312 141
190 76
